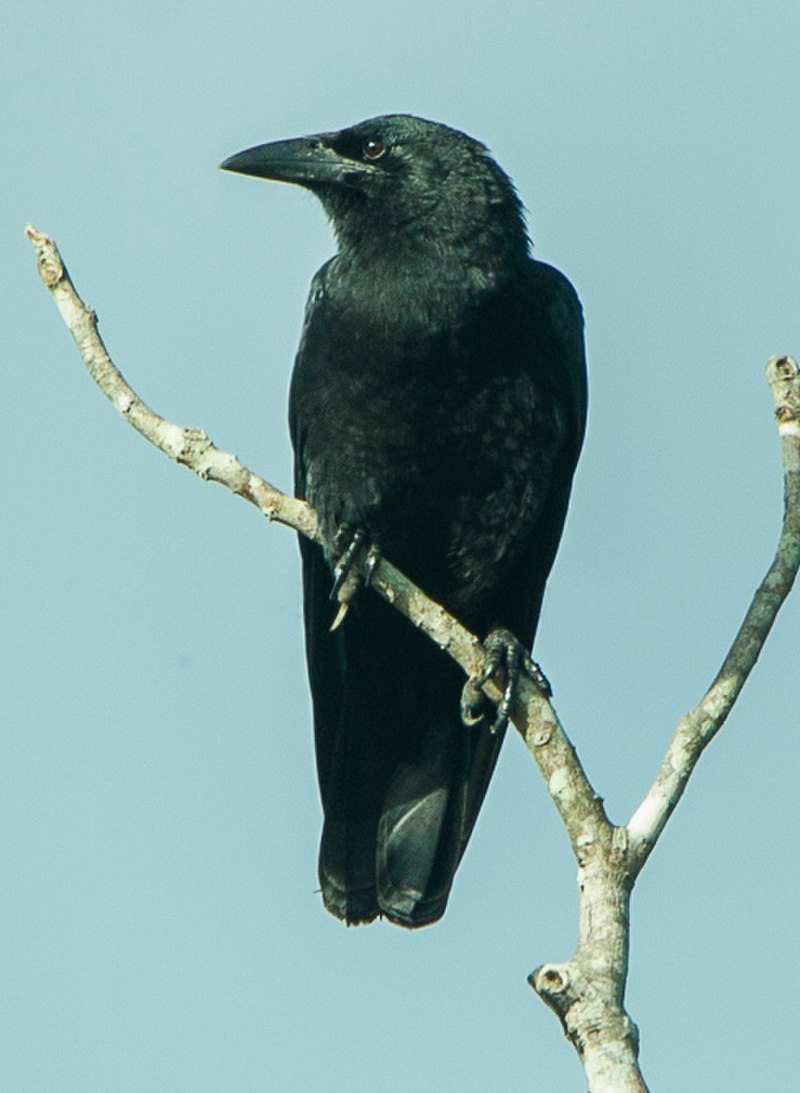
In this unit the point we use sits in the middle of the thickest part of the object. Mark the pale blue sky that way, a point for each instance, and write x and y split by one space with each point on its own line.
158 921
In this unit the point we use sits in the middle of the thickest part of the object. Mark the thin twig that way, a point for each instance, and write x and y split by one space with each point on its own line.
697 728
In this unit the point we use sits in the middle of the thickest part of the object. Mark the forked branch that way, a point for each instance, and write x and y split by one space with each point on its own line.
586 992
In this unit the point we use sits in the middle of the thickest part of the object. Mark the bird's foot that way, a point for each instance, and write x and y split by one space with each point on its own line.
505 655
347 579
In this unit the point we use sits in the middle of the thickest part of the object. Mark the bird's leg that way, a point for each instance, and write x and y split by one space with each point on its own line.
350 546
503 654
371 563
347 580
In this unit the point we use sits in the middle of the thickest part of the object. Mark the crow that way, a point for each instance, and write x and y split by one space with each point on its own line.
437 410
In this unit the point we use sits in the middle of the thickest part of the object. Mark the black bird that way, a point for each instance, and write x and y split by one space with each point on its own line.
437 410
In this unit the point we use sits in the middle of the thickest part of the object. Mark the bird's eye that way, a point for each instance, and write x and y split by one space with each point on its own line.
374 149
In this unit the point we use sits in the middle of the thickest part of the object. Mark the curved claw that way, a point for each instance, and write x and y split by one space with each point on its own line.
473 702
345 562
347 580
537 676
503 653
371 564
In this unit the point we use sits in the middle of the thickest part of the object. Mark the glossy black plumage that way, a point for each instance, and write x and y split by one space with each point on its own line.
438 403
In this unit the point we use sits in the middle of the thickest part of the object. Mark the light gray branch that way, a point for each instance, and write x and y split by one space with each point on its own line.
536 719
697 728
587 991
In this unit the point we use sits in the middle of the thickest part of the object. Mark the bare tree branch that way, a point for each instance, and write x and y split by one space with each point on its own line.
587 991
536 718
697 728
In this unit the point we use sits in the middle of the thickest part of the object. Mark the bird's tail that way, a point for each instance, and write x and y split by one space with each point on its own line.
401 778
406 790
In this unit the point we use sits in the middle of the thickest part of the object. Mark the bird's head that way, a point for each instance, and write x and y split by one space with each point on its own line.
396 179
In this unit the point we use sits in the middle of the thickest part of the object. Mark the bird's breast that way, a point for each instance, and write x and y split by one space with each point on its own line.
425 426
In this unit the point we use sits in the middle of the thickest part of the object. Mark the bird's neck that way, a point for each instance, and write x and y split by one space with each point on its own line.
439 277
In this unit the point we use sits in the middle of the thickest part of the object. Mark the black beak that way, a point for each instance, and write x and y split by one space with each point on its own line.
307 161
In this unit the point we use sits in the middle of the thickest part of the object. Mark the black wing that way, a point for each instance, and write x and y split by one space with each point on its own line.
401 778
